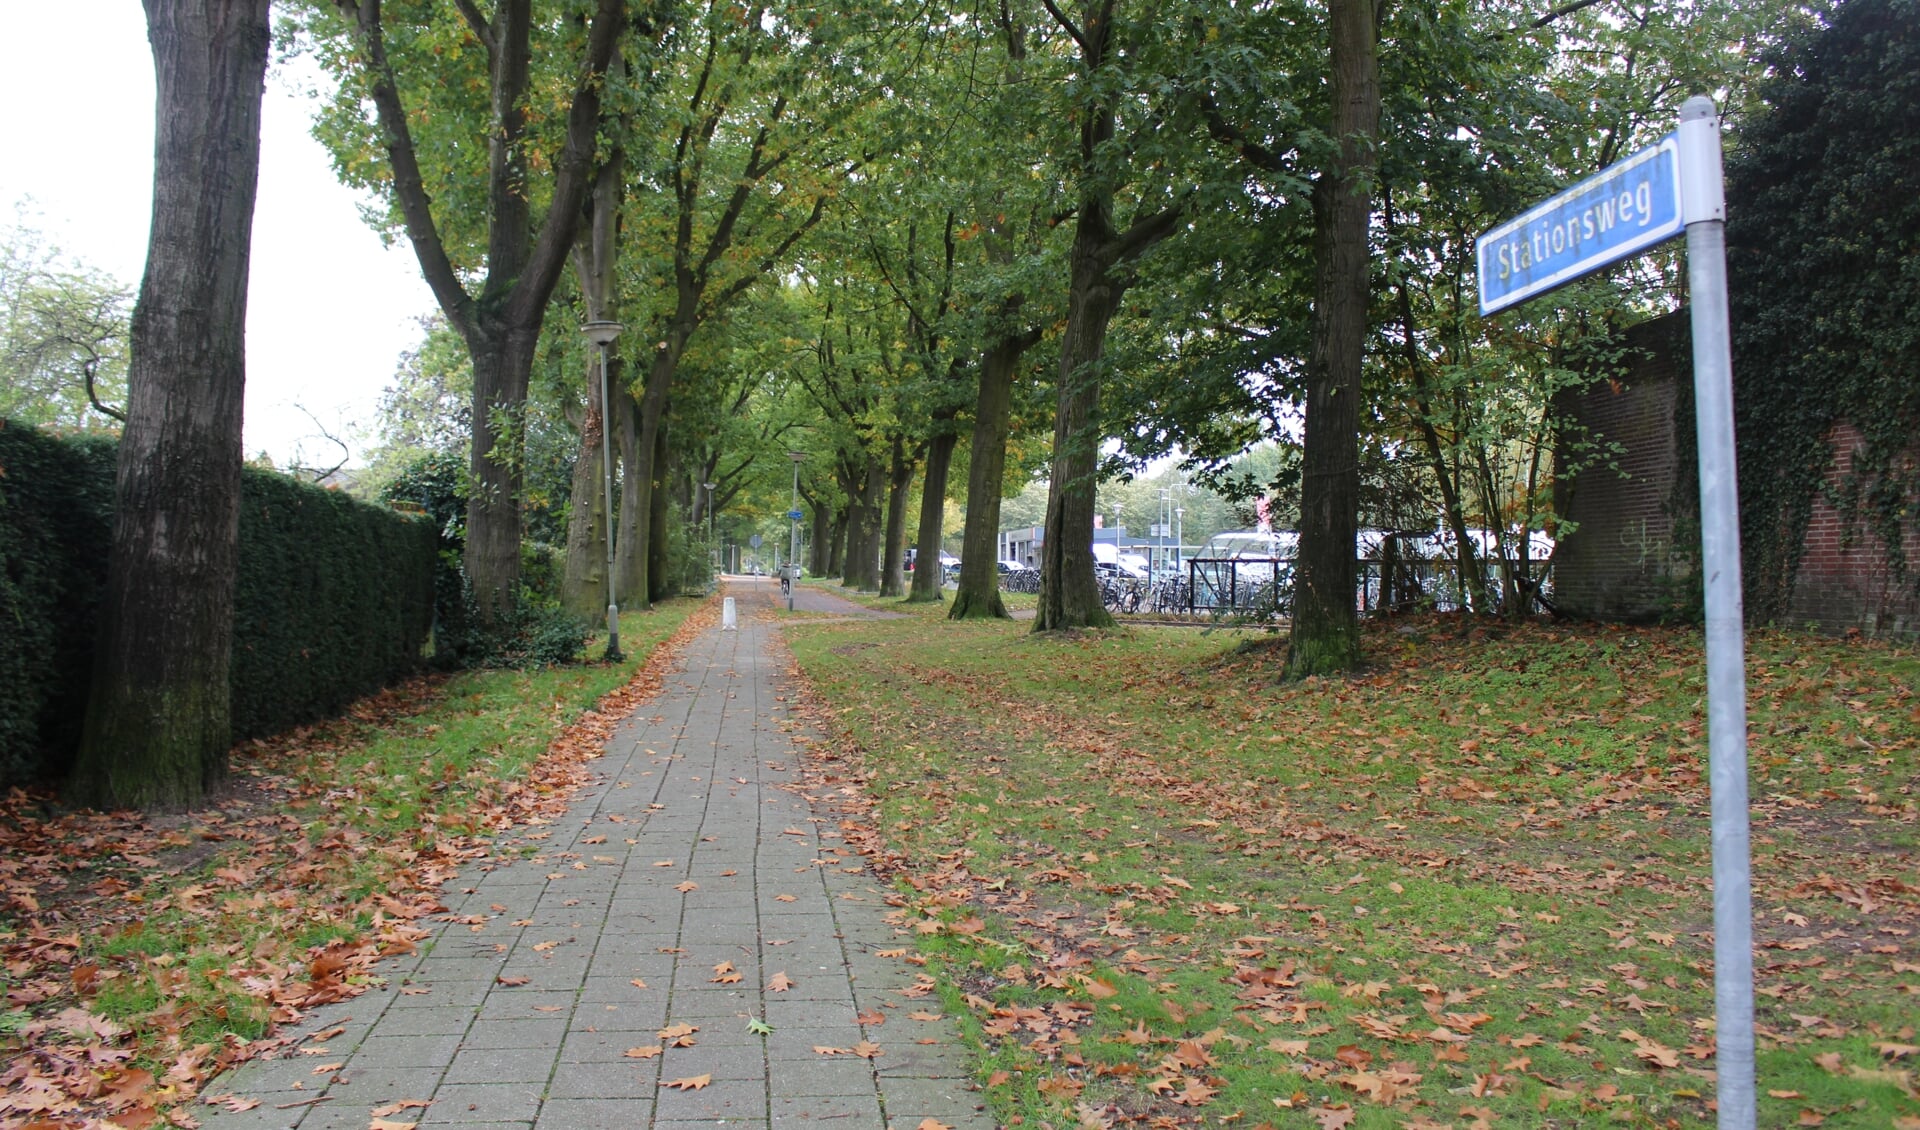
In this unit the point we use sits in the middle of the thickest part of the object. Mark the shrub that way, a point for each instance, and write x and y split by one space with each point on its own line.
332 599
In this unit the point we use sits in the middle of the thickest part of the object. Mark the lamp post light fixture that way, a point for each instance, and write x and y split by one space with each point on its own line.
602 335
793 530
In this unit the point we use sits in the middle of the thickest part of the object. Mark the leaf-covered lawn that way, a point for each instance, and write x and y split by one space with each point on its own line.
140 956
1470 887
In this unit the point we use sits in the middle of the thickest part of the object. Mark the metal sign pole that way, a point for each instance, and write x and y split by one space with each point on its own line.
1704 205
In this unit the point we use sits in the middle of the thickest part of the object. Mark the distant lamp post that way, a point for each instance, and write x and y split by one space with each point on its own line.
602 335
793 523
1179 533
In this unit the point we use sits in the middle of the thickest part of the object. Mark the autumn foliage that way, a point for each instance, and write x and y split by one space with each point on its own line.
1468 887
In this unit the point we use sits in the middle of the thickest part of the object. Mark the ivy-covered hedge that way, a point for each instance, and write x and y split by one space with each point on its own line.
334 598
1823 248
56 519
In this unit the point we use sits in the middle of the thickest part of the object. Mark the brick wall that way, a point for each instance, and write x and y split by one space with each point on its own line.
1620 562
1626 560
1844 581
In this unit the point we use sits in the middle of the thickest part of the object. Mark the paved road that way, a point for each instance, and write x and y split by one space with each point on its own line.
662 912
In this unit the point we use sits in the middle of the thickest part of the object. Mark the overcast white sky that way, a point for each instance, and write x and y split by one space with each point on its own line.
328 310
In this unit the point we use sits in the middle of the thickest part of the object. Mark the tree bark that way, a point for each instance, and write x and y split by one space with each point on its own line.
928 582
1069 591
837 540
583 587
659 546
1326 632
628 564
158 718
893 555
979 591
867 480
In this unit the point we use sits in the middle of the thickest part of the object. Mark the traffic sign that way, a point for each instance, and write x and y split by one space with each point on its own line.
794 515
754 541
1618 212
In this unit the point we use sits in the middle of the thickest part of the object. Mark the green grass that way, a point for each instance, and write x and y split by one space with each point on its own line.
1502 836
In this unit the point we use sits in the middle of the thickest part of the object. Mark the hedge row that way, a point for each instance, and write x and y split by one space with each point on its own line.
334 598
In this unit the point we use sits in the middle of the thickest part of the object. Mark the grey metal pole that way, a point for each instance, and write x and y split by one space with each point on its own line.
793 534
1703 203
601 338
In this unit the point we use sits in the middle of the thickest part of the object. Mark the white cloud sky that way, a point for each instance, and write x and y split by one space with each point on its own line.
329 309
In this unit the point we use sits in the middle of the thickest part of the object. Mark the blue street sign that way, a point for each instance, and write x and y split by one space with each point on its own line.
793 515
1618 212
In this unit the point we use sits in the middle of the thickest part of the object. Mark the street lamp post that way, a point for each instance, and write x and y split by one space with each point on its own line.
602 335
1160 535
793 526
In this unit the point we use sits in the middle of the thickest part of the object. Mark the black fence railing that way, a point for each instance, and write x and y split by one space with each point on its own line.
1262 587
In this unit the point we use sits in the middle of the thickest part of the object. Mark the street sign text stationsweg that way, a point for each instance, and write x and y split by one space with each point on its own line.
1616 213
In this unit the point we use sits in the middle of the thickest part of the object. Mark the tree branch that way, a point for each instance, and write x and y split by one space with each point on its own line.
416 206
476 21
1067 25
1225 132
573 173
1145 231
1567 9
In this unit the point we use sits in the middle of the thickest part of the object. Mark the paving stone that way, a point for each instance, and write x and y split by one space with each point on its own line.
546 1032
466 1104
265 1116
826 1112
731 1099
631 1079
594 1114
501 1065
551 1053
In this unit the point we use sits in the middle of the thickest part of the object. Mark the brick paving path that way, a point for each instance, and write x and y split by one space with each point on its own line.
686 865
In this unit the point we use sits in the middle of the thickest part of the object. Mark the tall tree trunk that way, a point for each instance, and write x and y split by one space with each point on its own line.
928 581
659 543
862 572
158 719
837 540
497 464
818 549
583 587
893 547
979 592
629 566
1326 631
1069 591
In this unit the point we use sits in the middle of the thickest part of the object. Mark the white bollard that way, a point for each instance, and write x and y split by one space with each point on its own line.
727 621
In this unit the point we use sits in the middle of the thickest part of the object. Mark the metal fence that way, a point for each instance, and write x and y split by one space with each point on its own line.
1262 587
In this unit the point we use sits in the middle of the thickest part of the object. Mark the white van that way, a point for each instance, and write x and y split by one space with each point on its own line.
1236 544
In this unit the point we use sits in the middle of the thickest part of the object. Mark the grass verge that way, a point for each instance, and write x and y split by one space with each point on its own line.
1469 887
143 955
